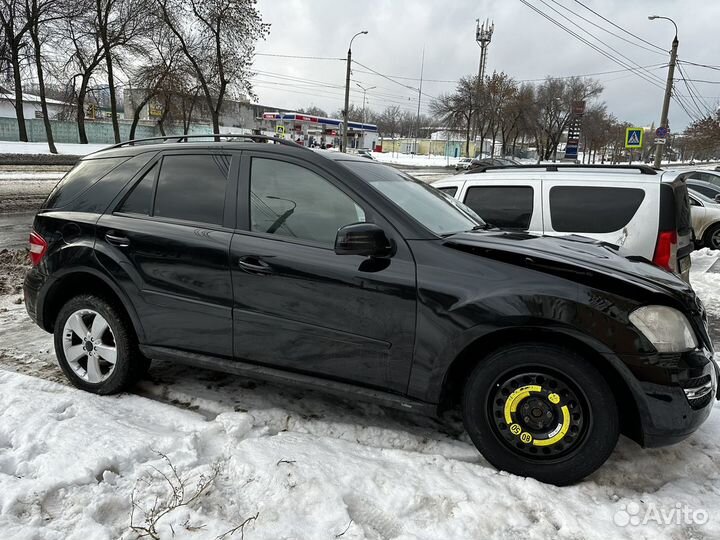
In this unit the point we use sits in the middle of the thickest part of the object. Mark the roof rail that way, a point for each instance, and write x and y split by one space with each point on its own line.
184 138
553 167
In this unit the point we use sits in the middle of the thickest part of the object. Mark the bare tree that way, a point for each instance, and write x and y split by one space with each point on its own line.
313 111
119 25
555 98
218 39
14 28
152 77
42 16
86 55
457 110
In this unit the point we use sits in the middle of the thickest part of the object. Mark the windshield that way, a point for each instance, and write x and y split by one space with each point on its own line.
432 208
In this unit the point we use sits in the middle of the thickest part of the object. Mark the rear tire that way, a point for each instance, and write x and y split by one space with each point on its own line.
711 238
541 411
96 346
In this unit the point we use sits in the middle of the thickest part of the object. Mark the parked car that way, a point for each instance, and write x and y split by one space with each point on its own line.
338 273
479 163
463 163
705 220
713 177
711 191
365 153
631 207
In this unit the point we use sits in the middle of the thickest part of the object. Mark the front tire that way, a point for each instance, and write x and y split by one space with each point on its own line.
541 411
96 347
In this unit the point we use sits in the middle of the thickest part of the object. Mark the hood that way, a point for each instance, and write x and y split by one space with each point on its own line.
572 255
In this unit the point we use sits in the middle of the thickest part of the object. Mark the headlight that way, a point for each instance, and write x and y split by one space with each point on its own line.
665 327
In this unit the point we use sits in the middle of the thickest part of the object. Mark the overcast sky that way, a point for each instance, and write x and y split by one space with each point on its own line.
524 45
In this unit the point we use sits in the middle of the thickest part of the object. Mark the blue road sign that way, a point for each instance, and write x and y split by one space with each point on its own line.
661 132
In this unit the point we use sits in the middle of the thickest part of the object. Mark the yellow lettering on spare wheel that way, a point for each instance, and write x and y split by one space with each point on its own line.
560 434
515 398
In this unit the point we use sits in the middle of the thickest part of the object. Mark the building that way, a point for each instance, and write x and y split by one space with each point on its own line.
241 115
31 106
319 131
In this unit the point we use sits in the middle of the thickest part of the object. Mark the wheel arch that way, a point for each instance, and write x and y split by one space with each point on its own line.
85 280
478 350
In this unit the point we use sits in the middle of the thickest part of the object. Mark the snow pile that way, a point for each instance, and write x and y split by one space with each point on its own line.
297 464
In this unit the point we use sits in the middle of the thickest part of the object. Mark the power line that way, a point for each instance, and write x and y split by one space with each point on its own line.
634 43
310 83
702 65
651 66
393 80
298 56
591 45
693 93
620 27
651 75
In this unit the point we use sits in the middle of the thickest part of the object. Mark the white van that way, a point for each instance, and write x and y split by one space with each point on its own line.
644 212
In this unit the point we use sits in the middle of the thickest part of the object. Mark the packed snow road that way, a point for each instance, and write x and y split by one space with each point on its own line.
197 454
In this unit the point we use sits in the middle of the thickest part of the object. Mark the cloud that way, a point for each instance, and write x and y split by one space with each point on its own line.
524 45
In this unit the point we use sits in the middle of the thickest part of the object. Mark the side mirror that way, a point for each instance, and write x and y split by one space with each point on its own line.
366 239
717 198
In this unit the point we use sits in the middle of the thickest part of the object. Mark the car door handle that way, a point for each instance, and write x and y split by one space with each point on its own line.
254 264
116 240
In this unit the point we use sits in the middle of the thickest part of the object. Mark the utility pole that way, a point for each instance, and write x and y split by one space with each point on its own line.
347 93
483 36
417 120
668 90
363 109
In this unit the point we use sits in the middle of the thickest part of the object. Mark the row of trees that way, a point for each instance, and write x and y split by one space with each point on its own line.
184 53
505 111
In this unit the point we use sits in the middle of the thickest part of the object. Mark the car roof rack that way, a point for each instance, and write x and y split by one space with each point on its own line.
184 138
554 167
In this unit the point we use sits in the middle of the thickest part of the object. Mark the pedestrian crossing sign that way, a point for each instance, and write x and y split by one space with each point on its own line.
634 137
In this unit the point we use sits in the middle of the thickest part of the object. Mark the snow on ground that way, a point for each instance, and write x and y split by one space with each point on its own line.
32 175
13 147
303 464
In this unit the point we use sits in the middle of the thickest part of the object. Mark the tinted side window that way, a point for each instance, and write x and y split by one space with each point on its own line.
707 191
81 177
593 209
710 178
508 207
452 190
139 200
192 187
290 200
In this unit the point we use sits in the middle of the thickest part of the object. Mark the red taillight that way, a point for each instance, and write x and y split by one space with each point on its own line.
666 250
38 248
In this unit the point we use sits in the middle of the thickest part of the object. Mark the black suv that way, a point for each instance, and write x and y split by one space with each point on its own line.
326 270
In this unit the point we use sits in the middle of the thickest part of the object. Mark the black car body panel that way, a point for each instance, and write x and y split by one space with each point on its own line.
393 328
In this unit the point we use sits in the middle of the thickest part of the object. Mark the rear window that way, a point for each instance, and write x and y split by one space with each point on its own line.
508 207
585 209
80 178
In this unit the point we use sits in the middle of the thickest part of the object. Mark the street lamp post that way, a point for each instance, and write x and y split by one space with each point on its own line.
347 92
363 109
668 89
